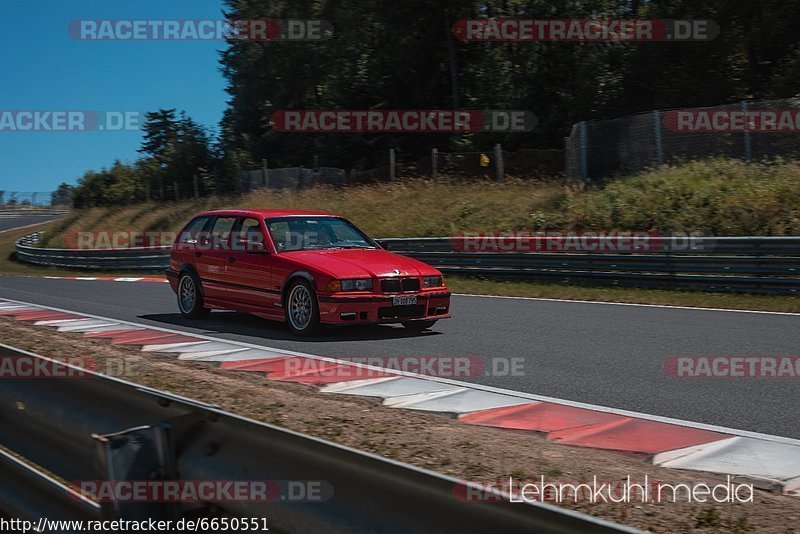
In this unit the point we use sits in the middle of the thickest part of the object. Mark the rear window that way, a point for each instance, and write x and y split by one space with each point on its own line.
192 230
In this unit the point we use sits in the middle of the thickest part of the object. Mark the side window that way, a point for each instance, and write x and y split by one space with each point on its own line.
247 233
221 232
191 232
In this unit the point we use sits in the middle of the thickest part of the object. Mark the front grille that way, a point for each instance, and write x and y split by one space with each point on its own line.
396 285
400 312
391 285
410 284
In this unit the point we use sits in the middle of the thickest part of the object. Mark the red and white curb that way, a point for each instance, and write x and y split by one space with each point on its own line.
768 461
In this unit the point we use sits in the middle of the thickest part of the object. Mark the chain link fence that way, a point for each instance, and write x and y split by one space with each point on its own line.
289 178
749 131
521 163
527 162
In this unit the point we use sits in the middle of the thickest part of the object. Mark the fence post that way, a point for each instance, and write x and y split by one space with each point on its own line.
196 186
748 146
434 162
265 169
499 168
584 144
391 164
177 195
657 137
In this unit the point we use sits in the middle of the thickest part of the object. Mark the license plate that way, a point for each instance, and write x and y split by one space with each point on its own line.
403 301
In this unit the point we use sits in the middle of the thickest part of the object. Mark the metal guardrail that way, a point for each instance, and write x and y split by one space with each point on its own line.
769 265
729 264
132 259
96 428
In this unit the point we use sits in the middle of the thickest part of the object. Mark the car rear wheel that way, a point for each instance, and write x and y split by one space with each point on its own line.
419 326
190 298
302 310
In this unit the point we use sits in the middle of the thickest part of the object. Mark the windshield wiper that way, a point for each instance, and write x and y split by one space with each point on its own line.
340 244
331 247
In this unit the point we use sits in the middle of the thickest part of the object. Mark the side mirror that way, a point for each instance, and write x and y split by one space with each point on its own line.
383 244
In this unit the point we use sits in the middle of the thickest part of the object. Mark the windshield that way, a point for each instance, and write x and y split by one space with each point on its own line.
314 233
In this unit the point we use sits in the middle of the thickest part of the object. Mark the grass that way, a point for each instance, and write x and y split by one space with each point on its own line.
10 266
718 197
404 209
715 198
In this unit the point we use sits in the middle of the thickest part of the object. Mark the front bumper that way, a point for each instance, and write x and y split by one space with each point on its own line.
376 308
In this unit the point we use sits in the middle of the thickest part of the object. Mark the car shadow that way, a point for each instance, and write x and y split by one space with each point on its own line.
244 324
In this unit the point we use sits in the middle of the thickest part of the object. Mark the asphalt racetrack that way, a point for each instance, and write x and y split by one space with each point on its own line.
609 355
10 220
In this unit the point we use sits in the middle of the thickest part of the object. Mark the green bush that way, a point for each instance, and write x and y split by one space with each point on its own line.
717 197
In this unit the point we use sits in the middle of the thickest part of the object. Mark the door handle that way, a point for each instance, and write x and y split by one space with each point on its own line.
231 259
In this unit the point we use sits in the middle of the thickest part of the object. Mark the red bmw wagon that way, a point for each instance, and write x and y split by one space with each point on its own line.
307 268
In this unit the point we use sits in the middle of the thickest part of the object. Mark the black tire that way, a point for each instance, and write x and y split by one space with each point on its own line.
419 326
301 308
191 307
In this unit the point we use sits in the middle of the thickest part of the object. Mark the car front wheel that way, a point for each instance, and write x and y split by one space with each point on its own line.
302 311
190 298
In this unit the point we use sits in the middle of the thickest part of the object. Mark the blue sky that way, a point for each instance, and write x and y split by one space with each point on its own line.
45 69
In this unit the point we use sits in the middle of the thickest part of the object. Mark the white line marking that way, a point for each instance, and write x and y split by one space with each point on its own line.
629 304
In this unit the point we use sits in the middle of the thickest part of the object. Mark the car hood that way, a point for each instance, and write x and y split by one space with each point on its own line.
355 263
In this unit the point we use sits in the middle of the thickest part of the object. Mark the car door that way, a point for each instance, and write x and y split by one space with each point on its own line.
213 252
249 266
284 239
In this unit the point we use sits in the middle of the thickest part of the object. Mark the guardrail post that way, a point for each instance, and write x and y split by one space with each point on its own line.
265 170
391 164
434 162
144 453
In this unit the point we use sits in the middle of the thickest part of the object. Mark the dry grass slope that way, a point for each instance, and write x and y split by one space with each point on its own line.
718 197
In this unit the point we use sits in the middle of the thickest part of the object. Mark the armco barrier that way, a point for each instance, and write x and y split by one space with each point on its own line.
96 428
132 259
730 264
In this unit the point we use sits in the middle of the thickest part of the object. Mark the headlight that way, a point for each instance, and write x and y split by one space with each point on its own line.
432 281
358 284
